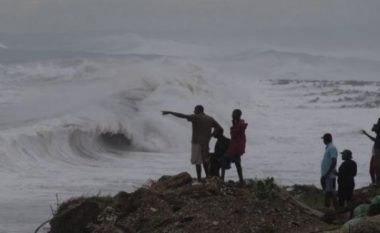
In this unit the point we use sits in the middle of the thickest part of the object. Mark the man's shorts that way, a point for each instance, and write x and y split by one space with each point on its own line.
328 184
199 154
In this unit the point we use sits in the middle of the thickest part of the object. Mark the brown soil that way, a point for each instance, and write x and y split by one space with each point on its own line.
176 204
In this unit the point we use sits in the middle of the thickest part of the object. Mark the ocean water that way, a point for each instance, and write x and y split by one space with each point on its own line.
88 121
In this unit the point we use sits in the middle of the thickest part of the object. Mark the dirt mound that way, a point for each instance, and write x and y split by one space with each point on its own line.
177 204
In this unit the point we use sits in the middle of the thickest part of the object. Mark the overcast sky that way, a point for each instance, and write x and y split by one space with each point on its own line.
61 16
326 24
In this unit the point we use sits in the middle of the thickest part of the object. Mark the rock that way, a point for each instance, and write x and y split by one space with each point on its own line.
374 209
172 182
362 225
75 218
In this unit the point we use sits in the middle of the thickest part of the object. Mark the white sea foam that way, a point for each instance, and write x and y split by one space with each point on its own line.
2 46
80 125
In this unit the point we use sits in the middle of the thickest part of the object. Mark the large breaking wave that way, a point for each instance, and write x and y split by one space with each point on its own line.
83 110
83 107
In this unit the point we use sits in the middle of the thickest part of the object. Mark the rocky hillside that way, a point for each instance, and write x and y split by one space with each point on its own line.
177 204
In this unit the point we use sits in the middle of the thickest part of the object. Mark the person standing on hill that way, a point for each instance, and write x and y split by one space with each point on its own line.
346 173
375 159
328 171
220 149
202 130
236 147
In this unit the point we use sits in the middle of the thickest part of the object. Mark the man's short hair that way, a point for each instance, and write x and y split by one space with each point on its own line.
237 112
327 137
199 108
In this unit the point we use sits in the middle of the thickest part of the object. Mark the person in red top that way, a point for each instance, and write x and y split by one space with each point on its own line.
372 163
236 147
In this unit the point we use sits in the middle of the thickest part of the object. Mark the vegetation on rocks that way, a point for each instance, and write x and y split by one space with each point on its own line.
177 204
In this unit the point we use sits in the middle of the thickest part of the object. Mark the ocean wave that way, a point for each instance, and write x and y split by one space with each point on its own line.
81 111
335 94
3 46
279 64
71 145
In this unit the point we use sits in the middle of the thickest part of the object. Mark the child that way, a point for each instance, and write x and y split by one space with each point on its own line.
236 148
346 174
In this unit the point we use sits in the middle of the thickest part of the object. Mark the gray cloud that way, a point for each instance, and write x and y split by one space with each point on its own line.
314 24
61 16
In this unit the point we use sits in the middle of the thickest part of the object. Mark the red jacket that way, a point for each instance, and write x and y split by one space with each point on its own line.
237 143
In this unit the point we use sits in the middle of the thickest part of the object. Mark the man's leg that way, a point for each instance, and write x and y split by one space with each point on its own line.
239 171
334 200
341 196
377 165
198 167
196 159
206 159
327 199
218 167
330 193
206 167
323 185
224 164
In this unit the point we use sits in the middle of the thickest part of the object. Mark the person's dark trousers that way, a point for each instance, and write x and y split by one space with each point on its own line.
345 191
214 166
377 164
198 168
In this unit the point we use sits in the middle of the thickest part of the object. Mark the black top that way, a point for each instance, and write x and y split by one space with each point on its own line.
377 142
347 171
221 146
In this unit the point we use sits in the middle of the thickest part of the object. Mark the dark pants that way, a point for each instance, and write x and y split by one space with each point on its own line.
215 165
226 164
345 191
228 159
345 194
376 153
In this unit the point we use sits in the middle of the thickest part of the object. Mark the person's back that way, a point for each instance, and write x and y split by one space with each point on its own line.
221 146
238 139
236 147
375 157
347 172
220 149
202 128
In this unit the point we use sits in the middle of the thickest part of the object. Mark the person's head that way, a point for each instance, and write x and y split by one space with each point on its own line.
376 127
346 155
218 132
198 109
236 114
327 138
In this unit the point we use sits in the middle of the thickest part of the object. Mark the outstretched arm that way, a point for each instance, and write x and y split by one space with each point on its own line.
176 114
366 134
